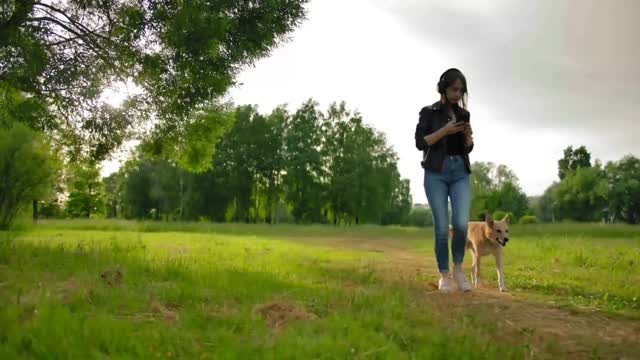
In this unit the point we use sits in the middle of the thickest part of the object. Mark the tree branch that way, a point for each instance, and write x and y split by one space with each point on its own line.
63 41
87 39
78 25
59 23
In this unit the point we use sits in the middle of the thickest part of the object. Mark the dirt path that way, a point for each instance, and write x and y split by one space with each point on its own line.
511 317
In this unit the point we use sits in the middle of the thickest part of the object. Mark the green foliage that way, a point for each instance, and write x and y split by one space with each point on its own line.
183 55
86 191
363 184
28 170
193 145
51 209
528 219
593 193
113 187
546 208
496 188
572 160
306 165
304 169
624 190
15 106
420 217
150 189
582 194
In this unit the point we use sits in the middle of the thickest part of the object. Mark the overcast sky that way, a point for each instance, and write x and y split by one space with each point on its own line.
542 75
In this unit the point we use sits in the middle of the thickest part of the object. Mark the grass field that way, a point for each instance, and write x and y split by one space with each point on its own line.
110 289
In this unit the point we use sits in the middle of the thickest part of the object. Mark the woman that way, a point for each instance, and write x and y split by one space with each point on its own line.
444 135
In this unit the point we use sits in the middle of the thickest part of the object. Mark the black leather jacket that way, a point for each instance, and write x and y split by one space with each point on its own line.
432 118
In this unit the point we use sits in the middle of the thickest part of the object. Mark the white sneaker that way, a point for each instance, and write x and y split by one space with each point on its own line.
461 280
444 284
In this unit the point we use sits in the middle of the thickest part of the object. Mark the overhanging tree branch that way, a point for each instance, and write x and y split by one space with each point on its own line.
78 25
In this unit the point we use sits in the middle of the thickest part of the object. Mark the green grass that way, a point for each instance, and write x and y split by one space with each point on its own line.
56 305
191 290
577 265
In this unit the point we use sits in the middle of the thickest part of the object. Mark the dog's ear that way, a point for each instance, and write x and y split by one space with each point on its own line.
506 218
489 220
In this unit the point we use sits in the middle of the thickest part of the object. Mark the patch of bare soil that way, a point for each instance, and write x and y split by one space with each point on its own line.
112 276
277 314
169 312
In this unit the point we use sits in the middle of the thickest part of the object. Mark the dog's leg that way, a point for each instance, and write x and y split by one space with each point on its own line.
476 267
498 256
473 266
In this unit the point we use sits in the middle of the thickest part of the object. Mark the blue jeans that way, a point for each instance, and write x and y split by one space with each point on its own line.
453 182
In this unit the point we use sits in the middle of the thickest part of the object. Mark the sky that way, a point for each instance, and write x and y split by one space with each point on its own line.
542 75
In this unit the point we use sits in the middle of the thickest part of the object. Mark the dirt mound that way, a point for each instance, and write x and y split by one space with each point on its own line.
278 314
169 312
112 276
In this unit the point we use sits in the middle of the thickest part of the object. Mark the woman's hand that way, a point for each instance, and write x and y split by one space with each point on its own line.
453 127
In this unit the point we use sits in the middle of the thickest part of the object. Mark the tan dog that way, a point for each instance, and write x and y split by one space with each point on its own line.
485 238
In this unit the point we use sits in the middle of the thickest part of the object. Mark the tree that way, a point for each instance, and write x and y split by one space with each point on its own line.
502 176
308 165
546 209
362 181
509 198
271 161
582 194
183 55
136 195
303 163
236 160
496 187
572 160
165 191
113 186
86 193
401 203
192 145
420 217
28 170
481 185
207 195
623 178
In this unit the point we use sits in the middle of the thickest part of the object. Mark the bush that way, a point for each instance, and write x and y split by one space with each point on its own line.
28 170
528 219
420 217
499 215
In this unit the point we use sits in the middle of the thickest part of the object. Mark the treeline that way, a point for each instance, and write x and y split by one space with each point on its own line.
313 167
584 192
307 166
589 191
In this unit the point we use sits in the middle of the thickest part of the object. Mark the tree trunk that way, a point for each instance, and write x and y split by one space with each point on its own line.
35 211
181 196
